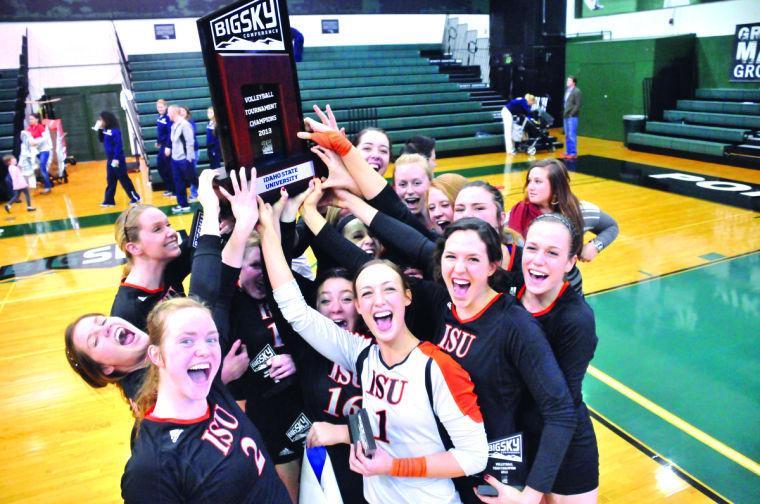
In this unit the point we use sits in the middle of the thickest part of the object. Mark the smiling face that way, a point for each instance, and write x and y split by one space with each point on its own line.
465 270
539 189
382 301
411 184
160 107
478 202
32 120
252 274
335 300
112 342
546 258
356 232
376 150
155 237
440 209
189 356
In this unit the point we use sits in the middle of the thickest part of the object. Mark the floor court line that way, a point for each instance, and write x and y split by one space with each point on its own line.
657 457
677 422
668 274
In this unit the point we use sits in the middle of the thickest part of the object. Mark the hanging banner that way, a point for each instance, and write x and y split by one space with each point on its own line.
248 53
745 59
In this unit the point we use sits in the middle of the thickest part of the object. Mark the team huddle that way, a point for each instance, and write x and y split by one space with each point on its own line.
461 329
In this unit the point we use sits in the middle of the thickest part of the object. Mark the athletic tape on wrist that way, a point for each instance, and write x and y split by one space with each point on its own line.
334 141
414 467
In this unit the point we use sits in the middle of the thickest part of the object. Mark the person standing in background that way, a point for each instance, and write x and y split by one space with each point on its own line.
182 152
572 108
109 135
213 147
41 141
163 140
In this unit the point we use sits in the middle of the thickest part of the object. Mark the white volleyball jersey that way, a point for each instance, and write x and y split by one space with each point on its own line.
402 408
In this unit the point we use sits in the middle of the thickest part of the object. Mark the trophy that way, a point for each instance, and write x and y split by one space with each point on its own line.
248 54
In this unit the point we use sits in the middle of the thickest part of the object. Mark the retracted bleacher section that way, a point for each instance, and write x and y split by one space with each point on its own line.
717 123
405 89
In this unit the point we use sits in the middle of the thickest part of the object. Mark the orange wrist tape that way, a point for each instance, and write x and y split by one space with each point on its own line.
334 141
415 467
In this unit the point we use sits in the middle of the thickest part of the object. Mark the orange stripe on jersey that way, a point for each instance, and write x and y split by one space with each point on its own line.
457 379
139 287
551 305
149 416
481 312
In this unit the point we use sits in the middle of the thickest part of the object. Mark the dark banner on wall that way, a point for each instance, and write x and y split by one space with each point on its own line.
77 10
745 60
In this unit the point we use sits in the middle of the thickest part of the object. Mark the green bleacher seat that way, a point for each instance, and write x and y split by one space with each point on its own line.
714 119
696 131
722 107
731 94
679 144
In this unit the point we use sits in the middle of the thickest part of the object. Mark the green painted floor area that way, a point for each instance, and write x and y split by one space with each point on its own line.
689 343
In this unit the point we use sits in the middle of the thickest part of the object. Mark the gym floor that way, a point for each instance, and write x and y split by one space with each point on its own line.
674 387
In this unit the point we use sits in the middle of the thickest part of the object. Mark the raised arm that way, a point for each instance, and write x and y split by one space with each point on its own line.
320 332
417 248
326 238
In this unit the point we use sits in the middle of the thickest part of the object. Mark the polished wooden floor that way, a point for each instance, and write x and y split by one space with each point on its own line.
64 442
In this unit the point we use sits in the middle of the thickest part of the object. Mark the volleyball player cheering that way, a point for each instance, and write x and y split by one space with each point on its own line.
568 323
194 444
411 464
113 349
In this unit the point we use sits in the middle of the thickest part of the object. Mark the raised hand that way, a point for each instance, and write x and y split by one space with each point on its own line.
243 200
206 195
338 176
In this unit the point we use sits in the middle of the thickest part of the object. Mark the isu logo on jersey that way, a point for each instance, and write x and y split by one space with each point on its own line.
254 26
299 429
388 389
221 434
456 341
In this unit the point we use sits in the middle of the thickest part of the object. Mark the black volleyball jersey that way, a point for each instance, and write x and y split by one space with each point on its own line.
133 302
253 323
507 356
569 326
219 457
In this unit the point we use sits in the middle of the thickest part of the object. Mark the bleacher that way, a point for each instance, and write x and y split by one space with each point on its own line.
404 89
9 101
719 124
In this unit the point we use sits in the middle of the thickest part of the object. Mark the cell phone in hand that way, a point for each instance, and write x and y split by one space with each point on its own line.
487 491
360 432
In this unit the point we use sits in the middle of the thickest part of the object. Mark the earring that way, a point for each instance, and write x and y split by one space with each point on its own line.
554 201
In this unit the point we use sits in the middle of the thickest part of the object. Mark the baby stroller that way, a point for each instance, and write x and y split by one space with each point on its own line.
530 132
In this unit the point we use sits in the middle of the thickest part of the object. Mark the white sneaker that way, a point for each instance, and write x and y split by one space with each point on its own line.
180 209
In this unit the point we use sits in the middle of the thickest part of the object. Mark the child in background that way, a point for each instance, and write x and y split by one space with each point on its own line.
27 158
212 141
19 184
